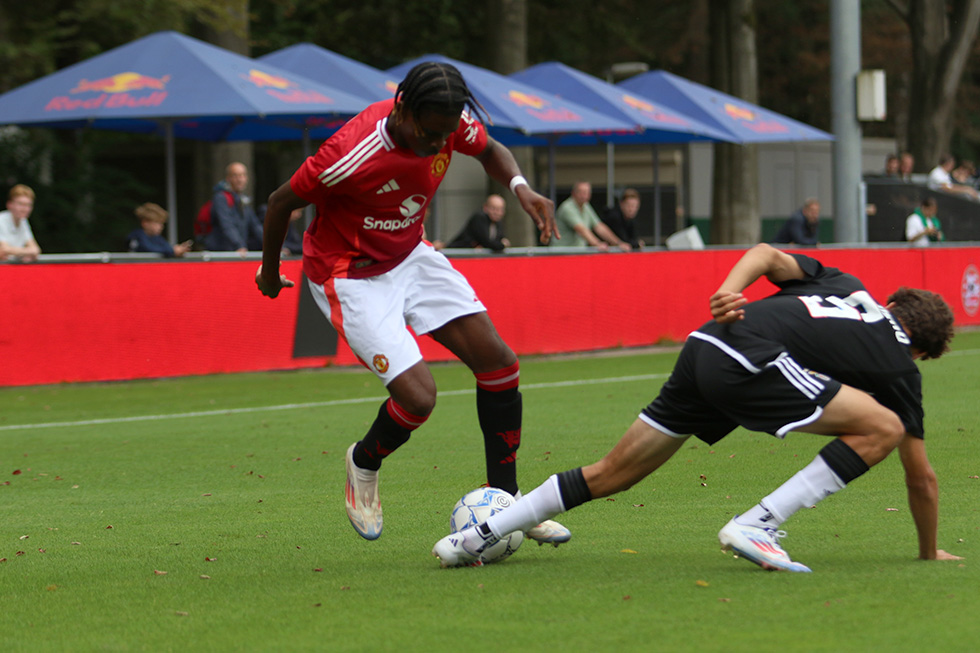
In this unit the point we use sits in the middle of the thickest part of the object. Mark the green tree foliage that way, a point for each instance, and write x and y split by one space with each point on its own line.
41 36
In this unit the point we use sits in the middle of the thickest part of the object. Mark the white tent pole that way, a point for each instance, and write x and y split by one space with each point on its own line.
553 193
610 174
171 183
656 195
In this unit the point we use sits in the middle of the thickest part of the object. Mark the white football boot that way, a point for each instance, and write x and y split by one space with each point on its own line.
549 532
363 501
462 549
758 545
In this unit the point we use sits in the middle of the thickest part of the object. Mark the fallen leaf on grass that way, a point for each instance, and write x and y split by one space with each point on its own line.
204 577
17 472
345 587
181 613
19 553
891 509
207 559
318 569
627 551
701 583
24 537
627 597
159 573
109 527
724 600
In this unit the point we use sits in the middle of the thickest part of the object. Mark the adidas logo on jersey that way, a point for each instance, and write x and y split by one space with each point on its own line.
387 188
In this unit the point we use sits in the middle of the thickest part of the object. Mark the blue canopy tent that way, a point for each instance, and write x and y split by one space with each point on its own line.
336 70
526 115
742 121
654 123
171 84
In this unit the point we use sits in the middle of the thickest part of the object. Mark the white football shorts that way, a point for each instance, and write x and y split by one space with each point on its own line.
424 291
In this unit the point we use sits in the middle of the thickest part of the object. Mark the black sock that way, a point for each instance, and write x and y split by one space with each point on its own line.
574 490
500 420
844 461
384 436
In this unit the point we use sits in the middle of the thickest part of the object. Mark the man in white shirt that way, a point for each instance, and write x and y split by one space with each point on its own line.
940 179
922 226
16 238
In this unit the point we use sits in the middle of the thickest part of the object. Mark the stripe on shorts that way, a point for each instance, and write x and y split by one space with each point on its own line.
810 386
742 360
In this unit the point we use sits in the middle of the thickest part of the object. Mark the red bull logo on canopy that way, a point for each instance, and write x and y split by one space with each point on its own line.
121 83
119 90
285 89
651 111
541 108
748 118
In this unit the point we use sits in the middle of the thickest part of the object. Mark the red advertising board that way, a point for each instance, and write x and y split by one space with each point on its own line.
105 321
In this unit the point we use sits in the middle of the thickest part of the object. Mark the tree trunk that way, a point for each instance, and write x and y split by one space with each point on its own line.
942 40
235 38
508 54
734 70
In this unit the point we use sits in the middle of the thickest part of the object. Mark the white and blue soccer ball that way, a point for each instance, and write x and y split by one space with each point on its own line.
475 507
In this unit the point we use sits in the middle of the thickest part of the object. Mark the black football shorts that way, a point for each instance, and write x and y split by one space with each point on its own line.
715 388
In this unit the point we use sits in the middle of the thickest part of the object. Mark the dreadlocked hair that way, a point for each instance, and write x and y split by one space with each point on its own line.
440 88
927 319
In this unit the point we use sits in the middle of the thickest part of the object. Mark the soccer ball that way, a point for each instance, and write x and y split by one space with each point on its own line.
475 507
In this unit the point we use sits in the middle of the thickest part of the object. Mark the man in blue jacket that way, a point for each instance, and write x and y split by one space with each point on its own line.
234 225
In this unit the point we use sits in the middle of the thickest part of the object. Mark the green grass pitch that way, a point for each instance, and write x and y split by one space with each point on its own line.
206 514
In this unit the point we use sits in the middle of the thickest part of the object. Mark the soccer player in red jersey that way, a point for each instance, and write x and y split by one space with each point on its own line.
372 274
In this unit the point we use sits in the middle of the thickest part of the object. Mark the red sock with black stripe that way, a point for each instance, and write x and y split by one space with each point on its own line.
499 408
391 429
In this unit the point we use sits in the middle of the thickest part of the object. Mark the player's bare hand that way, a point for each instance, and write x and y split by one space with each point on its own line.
726 307
942 555
271 287
542 211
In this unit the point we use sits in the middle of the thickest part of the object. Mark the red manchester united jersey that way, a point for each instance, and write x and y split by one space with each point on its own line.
371 195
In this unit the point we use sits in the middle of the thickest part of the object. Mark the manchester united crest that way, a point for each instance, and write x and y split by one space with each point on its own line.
439 164
380 363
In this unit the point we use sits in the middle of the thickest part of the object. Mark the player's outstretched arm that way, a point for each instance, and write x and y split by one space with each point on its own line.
762 260
282 202
923 492
501 166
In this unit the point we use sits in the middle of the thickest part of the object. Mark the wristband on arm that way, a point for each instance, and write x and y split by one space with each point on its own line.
517 180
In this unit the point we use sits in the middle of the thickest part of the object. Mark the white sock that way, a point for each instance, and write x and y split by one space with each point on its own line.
543 502
806 488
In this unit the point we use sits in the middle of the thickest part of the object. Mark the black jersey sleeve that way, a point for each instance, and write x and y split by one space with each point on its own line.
819 280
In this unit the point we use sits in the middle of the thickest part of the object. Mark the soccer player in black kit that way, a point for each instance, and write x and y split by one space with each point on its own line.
819 356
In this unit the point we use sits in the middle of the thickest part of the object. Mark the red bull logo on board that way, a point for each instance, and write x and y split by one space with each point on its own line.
126 89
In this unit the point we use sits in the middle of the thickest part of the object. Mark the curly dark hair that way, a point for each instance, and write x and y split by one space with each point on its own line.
438 87
927 318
